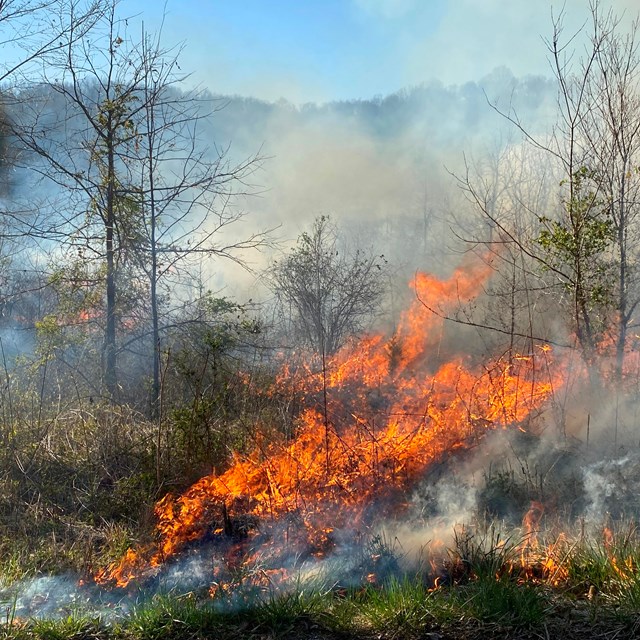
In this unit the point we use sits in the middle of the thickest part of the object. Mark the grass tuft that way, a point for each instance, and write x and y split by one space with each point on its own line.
503 601
171 617
70 627
401 607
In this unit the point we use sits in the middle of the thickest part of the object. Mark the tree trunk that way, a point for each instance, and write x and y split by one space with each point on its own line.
110 379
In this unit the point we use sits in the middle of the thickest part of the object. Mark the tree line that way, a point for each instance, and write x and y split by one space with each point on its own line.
132 195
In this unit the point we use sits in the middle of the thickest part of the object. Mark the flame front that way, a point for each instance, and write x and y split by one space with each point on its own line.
379 414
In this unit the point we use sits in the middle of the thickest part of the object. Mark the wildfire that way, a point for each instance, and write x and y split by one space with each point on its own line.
379 414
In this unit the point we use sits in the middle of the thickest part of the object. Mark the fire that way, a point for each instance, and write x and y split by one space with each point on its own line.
379 414
541 562
532 519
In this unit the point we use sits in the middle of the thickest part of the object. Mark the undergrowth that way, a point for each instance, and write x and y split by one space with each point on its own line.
481 583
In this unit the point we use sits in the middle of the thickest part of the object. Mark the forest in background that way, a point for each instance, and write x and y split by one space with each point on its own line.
168 253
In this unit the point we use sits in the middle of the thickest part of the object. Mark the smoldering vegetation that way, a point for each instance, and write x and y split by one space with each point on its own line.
197 420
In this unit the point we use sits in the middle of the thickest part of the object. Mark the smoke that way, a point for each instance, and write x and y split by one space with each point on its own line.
383 168
57 597
491 485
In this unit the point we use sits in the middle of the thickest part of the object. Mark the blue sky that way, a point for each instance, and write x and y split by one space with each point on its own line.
315 49
318 50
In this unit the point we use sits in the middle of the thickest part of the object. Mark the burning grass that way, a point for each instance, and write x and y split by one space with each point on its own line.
349 525
490 584
379 415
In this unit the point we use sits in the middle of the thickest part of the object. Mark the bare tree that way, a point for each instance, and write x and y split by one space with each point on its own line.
143 195
509 186
584 248
329 293
187 188
84 151
32 30
611 128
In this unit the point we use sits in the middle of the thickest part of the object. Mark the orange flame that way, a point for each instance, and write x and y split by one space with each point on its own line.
378 417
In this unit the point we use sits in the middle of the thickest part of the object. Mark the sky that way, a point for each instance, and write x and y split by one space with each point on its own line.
322 50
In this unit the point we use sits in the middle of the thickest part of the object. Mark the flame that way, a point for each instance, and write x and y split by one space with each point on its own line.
378 415
531 520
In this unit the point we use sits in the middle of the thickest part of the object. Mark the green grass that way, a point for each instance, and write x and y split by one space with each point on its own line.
504 601
403 607
72 627
607 569
279 613
167 617
481 585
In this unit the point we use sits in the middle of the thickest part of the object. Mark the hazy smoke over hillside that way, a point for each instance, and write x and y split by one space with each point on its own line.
384 168
377 166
